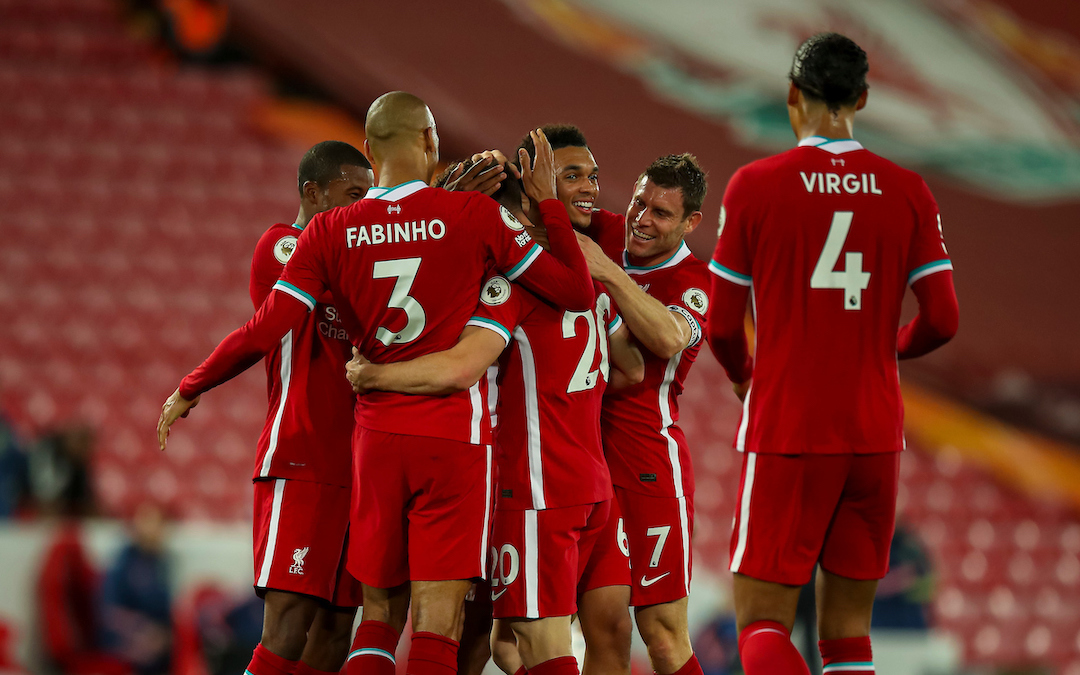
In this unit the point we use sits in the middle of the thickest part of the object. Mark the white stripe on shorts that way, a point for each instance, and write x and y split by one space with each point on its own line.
684 521
744 512
271 535
532 575
487 514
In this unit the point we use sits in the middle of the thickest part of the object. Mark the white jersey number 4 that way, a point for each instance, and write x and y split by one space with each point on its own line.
852 279
404 271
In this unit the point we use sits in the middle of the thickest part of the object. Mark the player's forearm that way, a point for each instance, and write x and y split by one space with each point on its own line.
654 325
432 375
727 329
938 318
563 276
627 359
245 346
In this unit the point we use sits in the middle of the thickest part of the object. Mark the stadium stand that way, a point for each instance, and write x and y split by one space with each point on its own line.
134 192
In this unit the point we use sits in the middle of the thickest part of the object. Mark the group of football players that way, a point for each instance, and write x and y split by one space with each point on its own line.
474 386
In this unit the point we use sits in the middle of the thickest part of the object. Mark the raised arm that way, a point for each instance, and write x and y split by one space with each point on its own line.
937 320
560 276
455 369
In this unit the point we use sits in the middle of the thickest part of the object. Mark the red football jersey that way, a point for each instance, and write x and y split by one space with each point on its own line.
646 450
309 423
551 384
827 236
609 231
398 263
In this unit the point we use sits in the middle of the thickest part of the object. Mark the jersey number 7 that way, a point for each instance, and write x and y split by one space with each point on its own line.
851 279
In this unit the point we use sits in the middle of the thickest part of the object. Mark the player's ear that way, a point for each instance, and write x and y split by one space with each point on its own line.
367 152
311 191
861 103
793 95
694 221
431 141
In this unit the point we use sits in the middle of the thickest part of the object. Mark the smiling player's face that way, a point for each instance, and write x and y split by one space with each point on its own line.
577 183
656 222
350 187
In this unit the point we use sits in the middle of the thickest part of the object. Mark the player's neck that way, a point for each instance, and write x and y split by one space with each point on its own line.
397 172
831 125
302 217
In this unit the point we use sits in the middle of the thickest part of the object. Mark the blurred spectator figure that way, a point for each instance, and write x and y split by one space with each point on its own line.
717 646
68 602
59 472
14 472
196 29
904 595
136 598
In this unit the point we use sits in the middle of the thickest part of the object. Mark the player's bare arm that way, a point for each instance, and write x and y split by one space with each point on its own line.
627 359
660 330
455 369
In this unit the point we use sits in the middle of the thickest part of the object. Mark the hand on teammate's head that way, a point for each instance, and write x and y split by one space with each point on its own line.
538 173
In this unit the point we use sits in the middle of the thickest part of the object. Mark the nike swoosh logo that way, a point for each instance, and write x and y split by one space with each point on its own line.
496 596
650 582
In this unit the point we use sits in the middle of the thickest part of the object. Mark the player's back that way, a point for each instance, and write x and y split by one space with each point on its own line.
830 235
402 263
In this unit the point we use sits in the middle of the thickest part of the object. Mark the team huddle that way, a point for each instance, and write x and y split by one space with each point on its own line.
474 386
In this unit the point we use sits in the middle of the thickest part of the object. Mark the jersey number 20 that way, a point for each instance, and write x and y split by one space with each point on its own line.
583 378
851 279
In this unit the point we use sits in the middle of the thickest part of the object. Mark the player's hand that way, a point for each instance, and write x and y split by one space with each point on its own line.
354 371
485 175
539 235
598 262
538 176
741 389
175 407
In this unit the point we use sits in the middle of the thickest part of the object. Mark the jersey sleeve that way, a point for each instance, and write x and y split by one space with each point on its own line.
304 276
732 258
928 253
561 276
271 253
502 307
690 299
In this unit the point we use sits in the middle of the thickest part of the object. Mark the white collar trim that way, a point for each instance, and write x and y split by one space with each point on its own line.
681 254
397 192
836 146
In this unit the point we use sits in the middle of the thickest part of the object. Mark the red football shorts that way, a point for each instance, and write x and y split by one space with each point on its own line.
421 509
794 511
538 558
659 532
300 533
609 564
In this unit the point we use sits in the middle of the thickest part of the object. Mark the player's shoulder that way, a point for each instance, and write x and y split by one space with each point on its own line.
280 240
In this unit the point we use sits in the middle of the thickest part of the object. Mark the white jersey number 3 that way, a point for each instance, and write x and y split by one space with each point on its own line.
852 280
404 271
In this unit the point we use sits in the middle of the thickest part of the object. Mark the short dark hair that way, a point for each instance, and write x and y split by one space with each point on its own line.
559 135
683 172
322 163
830 68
